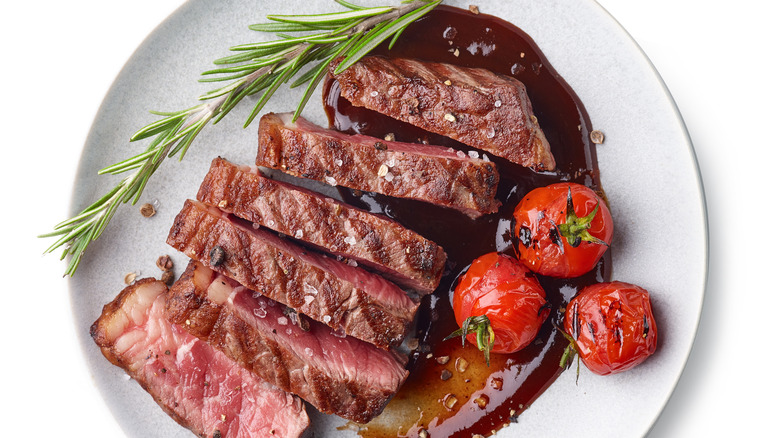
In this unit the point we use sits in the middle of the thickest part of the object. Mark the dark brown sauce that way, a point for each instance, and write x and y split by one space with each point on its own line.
486 398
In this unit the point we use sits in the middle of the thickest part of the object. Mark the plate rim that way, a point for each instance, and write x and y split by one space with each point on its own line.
702 293
82 170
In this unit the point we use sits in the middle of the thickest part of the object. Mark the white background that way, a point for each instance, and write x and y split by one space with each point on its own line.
717 58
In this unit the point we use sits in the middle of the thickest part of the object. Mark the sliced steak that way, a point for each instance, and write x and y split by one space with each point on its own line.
197 385
474 106
432 174
337 374
372 240
362 304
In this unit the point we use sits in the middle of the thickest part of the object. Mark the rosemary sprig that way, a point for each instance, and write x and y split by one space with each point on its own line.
254 68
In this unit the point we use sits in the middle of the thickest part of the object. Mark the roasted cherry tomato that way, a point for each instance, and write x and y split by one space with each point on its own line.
499 304
612 325
562 230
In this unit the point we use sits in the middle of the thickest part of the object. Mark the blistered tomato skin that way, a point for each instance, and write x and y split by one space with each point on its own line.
508 293
612 325
560 239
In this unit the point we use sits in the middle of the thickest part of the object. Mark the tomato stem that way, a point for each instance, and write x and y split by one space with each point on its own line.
480 326
575 229
570 350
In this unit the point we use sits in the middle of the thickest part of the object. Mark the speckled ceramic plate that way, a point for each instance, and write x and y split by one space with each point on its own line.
647 163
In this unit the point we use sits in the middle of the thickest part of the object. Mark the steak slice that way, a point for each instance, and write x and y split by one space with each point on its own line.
474 106
337 374
197 385
431 174
346 298
372 240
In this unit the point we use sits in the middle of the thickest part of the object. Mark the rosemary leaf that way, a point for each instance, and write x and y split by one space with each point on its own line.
349 5
126 165
237 95
386 31
285 42
331 18
395 37
141 184
160 126
221 91
246 56
311 74
247 67
316 77
65 226
267 95
316 74
283 27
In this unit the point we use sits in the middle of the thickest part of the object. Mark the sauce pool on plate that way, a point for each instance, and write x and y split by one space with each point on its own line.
450 390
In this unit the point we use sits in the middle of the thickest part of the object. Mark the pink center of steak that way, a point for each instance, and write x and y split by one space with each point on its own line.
343 357
198 385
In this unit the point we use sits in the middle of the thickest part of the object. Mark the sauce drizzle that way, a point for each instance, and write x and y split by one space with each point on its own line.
450 390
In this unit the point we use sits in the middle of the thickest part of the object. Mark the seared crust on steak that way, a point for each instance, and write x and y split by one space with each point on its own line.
431 174
337 375
197 385
474 106
347 298
372 240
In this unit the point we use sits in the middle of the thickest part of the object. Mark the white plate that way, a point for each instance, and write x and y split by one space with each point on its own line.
647 163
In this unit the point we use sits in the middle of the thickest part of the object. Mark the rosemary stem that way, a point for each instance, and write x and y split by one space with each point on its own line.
206 113
259 67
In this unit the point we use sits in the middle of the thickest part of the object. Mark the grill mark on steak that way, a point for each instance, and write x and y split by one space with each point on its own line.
427 173
197 385
347 298
337 375
372 240
474 106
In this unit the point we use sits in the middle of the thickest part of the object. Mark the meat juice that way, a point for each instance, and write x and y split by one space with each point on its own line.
450 390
